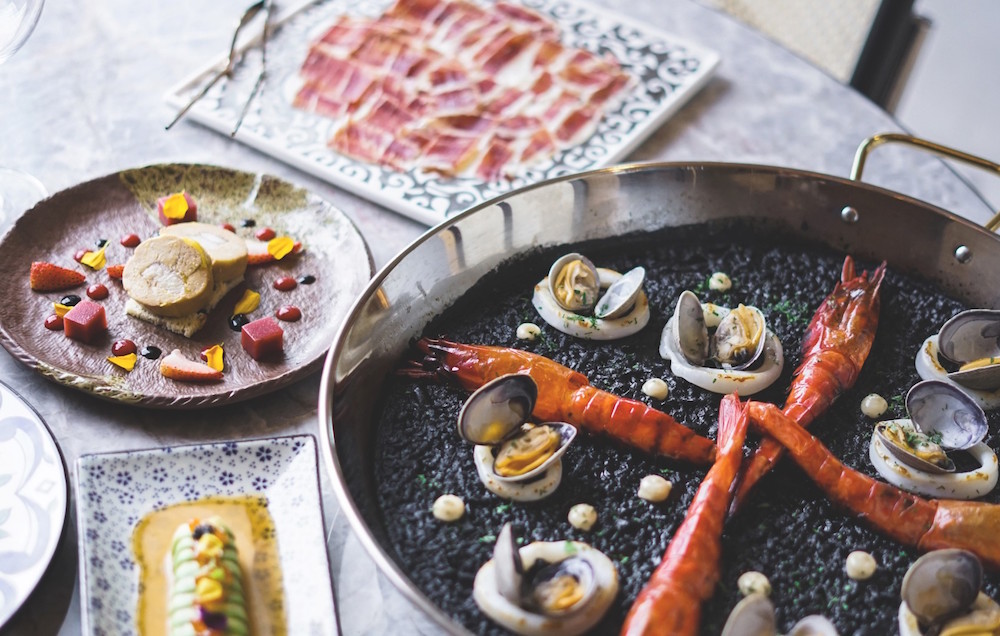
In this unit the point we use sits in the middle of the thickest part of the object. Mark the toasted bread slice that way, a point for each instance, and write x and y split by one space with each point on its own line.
188 325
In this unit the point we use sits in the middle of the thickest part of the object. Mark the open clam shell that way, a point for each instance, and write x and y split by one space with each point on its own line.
739 340
690 331
566 433
509 568
813 625
940 408
973 336
752 616
906 456
941 585
574 282
497 409
621 295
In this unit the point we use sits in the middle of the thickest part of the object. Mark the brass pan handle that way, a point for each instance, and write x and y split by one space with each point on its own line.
877 140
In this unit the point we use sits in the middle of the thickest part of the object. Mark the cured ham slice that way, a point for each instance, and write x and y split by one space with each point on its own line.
456 87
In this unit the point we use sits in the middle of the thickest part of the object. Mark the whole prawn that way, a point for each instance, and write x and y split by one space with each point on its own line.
835 347
927 524
564 395
670 603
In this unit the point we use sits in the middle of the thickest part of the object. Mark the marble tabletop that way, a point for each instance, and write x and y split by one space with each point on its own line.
83 98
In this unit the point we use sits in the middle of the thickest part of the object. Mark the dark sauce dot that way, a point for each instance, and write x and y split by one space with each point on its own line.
236 322
308 279
70 300
248 223
150 352
101 243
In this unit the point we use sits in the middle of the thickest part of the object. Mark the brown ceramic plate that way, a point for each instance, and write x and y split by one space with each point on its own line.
109 207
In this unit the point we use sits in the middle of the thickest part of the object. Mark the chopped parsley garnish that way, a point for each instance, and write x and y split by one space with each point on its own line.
488 538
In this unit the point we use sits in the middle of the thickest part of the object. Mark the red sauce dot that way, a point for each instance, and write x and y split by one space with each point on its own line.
228 226
130 240
265 234
97 291
123 347
54 322
288 313
79 254
285 283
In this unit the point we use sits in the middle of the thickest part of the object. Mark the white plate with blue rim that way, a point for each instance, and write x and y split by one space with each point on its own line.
32 500
115 491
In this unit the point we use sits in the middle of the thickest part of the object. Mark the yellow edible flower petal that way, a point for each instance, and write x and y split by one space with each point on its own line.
126 362
208 590
280 247
176 206
249 302
61 309
95 260
213 357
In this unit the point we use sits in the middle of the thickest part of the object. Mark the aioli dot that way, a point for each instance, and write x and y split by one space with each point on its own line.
860 565
753 582
528 331
448 508
720 281
654 488
582 517
656 388
874 405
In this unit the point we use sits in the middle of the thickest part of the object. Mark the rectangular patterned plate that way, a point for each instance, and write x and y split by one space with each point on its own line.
668 71
116 490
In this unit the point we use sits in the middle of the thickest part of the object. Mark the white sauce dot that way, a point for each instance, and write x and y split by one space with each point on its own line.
753 582
860 565
654 488
582 517
528 331
713 314
874 405
656 389
720 282
448 508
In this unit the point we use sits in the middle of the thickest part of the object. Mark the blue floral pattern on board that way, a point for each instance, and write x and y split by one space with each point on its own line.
115 491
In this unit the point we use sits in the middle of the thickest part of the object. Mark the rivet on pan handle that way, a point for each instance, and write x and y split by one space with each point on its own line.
877 140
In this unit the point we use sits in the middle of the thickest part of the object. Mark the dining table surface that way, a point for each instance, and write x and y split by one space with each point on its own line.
85 97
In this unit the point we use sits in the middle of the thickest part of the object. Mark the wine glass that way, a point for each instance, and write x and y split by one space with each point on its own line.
18 190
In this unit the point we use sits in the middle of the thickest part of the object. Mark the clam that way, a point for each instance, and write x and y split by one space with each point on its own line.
942 585
554 589
739 339
690 331
942 418
496 415
971 341
621 295
939 409
575 283
754 616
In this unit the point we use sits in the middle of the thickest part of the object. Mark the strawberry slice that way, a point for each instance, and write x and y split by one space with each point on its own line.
176 367
257 253
115 271
48 277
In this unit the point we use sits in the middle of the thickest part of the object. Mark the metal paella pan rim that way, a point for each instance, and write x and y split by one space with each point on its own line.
885 211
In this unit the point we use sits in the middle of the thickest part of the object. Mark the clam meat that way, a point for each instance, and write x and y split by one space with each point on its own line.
515 459
558 587
740 354
569 299
575 282
913 448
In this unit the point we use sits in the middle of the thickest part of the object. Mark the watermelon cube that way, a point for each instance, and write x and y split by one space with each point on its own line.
262 338
172 205
85 322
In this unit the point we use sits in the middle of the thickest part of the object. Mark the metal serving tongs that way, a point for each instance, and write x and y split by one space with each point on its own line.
234 57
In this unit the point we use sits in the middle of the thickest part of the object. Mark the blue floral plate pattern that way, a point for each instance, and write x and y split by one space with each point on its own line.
32 500
116 490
